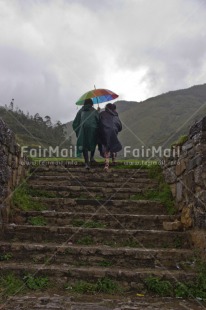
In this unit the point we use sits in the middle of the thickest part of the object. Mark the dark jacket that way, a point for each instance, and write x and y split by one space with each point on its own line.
86 125
109 127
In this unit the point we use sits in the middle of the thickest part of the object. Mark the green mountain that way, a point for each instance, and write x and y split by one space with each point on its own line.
162 119
159 120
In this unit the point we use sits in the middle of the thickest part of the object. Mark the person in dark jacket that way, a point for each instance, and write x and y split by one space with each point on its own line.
86 125
109 127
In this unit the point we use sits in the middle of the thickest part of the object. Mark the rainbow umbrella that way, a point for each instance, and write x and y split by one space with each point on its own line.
98 95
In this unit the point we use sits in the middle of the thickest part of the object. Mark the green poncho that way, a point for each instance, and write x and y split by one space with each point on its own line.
86 125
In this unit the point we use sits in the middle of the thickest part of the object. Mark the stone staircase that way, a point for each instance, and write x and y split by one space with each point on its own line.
92 228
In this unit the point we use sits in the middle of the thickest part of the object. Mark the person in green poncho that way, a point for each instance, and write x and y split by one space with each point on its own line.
85 125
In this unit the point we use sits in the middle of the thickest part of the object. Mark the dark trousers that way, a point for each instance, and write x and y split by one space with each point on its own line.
86 156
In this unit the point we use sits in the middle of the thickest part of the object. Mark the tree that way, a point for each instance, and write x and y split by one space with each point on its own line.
11 106
48 121
38 118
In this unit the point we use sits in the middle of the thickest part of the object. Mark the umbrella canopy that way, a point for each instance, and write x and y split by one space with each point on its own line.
98 96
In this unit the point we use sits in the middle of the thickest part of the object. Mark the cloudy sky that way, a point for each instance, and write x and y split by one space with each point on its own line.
53 51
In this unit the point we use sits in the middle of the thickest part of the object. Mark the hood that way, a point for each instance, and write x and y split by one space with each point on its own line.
111 112
87 107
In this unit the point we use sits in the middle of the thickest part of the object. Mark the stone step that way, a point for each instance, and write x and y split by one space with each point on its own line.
89 195
77 172
77 255
104 206
82 168
112 183
87 192
87 177
61 276
47 300
79 188
112 237
95 220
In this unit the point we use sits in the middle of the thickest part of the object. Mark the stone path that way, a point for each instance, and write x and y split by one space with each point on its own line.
93 228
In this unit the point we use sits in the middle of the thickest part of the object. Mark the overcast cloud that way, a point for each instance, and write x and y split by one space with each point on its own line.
53 51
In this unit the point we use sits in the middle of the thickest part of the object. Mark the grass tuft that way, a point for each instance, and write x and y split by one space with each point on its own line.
158 286
87 240
181 140
36 283
5 257
37 221
103 285
196 288
22 199
10 285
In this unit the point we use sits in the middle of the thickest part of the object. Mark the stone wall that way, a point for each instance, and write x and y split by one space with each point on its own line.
186 174
12 169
